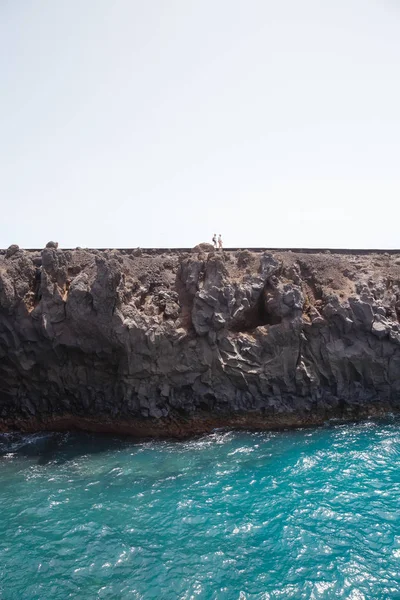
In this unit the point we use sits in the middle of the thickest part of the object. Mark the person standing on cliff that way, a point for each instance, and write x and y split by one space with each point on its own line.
220 241
214 240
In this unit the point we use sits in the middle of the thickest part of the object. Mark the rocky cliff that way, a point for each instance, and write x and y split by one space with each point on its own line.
181 343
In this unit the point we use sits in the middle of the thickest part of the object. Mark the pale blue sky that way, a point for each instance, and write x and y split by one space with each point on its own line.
156 123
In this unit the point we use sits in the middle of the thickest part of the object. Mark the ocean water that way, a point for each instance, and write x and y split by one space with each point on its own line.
302 514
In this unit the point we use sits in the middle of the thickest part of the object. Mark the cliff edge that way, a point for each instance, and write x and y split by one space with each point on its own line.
180 343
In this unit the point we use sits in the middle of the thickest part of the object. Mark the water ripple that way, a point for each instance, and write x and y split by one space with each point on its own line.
295 515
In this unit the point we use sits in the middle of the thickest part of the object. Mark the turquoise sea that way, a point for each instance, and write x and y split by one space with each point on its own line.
302 514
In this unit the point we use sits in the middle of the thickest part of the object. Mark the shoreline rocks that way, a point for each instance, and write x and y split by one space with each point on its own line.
186 340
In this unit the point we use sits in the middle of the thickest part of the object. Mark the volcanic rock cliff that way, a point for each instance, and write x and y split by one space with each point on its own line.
179 343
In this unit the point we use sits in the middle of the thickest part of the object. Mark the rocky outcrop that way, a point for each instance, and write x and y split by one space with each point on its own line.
180 343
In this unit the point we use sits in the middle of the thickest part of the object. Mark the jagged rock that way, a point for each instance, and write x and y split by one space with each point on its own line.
362 311
316 317
203 247
244 258
135 337
11 250
171 310
380 327
294 274
268 265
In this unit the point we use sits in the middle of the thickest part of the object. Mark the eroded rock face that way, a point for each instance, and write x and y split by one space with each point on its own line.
175 343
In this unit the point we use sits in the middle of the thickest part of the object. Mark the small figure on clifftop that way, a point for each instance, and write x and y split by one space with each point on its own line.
220 242
214 240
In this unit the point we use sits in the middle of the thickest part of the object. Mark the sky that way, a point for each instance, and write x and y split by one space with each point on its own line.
158 123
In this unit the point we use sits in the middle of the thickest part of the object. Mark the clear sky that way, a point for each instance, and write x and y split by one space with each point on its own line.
159 122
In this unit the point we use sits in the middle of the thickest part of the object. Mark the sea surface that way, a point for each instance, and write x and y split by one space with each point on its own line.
302 514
